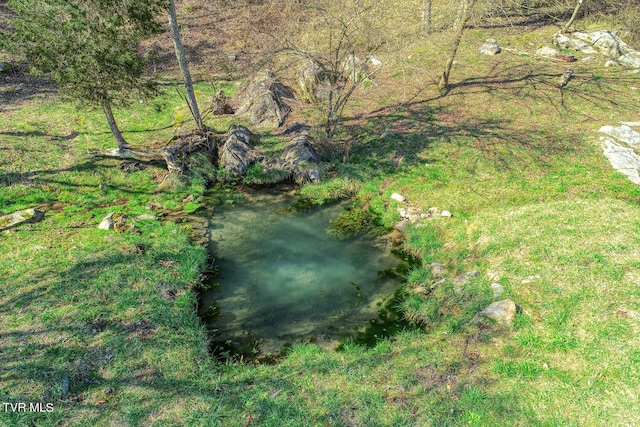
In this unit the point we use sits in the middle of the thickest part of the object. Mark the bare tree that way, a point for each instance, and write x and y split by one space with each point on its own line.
573 16
462 17
184 66
426 16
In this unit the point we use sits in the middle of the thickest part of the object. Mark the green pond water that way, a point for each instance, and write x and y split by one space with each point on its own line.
282 279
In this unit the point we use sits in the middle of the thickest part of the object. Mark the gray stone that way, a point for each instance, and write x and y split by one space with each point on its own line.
107 222
501 312
20 217
497 289
490 47
438 271
611 63
445 214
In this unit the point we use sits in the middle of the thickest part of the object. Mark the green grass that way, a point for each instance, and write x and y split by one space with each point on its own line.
535 208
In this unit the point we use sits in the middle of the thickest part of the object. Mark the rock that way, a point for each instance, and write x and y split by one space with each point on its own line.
501 312
237 154
611 63
188 199
232 57
623 133
434 211
445 214
569 43
547 52
375 61
438 271
490 47
605 42
623 159
20 217
312 81
107 222
631 59
497 289
397 197
461 280
265 102
531 279
588 59
146 216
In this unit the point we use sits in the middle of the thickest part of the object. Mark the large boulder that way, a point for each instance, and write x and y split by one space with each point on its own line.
313 82
236 154
265 102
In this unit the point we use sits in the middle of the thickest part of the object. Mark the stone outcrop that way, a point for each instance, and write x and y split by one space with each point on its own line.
265 102
604 42
623 159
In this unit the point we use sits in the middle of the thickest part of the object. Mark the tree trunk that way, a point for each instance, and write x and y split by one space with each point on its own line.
122 144
573 17
184 67
426 16
464 13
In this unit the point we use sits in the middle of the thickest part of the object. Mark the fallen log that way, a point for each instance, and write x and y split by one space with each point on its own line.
20 217
173 153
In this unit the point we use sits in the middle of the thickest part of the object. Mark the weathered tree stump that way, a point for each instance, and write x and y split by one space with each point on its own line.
173 153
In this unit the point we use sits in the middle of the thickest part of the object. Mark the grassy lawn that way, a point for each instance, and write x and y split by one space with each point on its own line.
103 324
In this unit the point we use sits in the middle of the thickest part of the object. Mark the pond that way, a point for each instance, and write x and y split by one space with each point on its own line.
282 279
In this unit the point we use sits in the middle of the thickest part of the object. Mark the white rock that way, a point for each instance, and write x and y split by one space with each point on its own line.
547 52
490 47
623 159
611 63
107 222
375 61
397 197
624 133
588 59
531 279
445 214
502 312
497 289
434 211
